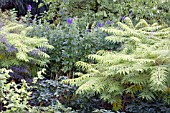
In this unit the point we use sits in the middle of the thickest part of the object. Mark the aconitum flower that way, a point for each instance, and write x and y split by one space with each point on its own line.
100 25
29 7
108 22
3 40
123 18
69 21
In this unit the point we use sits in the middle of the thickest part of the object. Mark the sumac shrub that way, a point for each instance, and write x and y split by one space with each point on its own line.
24 55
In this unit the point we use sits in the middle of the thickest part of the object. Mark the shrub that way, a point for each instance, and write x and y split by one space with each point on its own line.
141 68
44 95
72 41
23 54
152 11
21 6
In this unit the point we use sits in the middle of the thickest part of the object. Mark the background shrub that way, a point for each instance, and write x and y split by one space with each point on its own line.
73 42
21 6
44 95
96 10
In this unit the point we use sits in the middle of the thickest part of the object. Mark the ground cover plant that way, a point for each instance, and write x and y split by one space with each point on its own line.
113 10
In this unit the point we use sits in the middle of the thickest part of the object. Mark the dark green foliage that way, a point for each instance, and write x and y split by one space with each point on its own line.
48 93
147 107
151 10
57 10
72 43
21 6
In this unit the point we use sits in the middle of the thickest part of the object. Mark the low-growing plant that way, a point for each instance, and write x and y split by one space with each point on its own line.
58 107
141 68
145 107
4 74
102 111
13 97
49 92
16 97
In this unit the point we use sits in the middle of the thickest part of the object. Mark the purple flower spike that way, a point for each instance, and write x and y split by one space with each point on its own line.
123 18
3 40
69 21
108 22
100 25
29 7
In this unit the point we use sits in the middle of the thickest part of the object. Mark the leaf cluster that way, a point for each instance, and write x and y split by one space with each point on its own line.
145 107
71 44
150 10
142 67
20 52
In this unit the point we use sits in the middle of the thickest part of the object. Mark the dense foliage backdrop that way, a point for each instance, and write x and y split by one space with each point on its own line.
84 56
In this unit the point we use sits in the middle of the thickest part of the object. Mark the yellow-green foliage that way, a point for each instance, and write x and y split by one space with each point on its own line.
3 75
142 66
18 49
